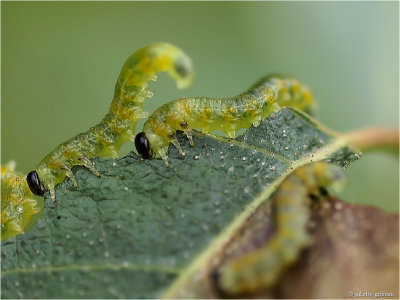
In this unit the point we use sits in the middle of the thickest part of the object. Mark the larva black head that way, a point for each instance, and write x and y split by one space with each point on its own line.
142 145
34 183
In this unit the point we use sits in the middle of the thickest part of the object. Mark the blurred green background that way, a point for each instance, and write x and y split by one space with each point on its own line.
60 61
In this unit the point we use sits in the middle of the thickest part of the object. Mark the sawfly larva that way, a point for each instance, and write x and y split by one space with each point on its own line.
259 269
267 96
18 204
118 126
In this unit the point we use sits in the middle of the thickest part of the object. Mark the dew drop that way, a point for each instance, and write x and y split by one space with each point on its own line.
205 227
91 243
217 211
84 234
304 146
196 157
243 158
182 216
255 176
126 188
231 168
221 153
125 264
272 142
246 190
231 145
16 283
287 147
114 164
263 163
106 254
272 168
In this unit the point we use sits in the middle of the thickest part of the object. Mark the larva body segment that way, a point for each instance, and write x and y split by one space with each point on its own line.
259 269
18 204
118 126
226 114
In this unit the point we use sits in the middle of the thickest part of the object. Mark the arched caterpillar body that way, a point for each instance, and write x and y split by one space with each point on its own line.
118 126
259 269
227 114
18 204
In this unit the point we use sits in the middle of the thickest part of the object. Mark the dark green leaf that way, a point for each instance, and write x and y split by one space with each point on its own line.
141 228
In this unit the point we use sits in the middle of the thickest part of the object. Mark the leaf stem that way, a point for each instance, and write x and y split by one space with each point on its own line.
370 139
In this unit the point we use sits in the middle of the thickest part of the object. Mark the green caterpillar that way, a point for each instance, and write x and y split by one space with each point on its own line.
267 96
259 269
18 204
118 126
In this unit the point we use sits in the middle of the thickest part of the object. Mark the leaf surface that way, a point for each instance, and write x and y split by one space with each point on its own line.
142 230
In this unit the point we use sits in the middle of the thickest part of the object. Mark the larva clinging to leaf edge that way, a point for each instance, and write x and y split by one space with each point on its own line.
18 204
118 126
265 97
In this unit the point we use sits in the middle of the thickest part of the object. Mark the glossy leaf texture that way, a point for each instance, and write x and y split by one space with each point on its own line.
143 230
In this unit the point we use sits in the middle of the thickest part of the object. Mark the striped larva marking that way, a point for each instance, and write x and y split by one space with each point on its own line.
267 96
118 126
18 204
259 269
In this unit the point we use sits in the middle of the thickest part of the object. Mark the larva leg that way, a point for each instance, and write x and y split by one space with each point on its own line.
261 268
188 132
163 154
70 175
90 165
231 133
175 142
52 194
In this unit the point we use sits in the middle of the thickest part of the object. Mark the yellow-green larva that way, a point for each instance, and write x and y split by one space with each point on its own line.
18 204
118 126
259 269
267 96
